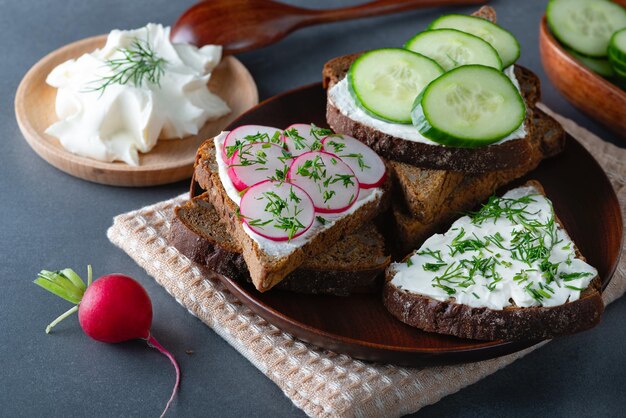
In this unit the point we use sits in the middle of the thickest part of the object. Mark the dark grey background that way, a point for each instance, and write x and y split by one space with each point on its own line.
52 220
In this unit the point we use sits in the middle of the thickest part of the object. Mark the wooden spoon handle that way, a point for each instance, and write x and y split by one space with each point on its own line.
379 7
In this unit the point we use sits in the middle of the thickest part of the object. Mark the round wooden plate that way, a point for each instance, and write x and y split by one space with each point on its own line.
167 162
360 326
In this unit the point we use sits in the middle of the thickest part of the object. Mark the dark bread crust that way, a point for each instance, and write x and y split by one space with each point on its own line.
506 155
265 270
220 254
536 323
510 323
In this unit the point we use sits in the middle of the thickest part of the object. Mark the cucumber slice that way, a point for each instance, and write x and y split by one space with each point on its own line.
452 48
621 73
601 66
619 69
586 26
500 39
385 82
617 49
468 107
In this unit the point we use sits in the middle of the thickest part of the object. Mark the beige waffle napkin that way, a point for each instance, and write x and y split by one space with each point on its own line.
320 382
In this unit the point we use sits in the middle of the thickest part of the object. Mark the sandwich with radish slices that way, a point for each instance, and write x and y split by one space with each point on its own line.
287 195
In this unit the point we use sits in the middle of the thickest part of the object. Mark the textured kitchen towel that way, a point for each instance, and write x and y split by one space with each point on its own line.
320 382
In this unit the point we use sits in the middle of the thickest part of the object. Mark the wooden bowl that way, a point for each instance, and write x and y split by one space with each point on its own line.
167 162
588 91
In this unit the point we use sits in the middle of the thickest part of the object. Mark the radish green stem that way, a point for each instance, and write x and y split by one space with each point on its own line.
61 318
89 275
152 342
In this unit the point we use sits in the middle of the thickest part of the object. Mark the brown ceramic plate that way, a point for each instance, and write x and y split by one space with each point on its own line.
360 326
588 91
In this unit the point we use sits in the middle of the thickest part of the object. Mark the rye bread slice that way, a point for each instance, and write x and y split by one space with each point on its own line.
510 323
266 270
410 231
353 265
505 155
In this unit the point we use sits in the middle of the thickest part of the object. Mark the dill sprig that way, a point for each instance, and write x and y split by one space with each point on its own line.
359 159
501 207
314 169
337 146
298 141
345 179
460 245
250 139
319 133
284 214
301 142
139 64
434 254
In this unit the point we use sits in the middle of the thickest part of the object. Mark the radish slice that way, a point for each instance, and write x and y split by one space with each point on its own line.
277 210
249 134
329 181
366 164
255 162
301 138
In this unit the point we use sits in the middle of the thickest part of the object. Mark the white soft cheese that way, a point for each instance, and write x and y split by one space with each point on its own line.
339 95
413 277
284 248
117 123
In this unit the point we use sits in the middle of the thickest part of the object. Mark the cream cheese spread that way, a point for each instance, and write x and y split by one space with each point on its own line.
339 95
284 248
510 252
116 122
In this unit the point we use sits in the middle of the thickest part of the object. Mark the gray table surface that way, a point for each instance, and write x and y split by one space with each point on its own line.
52 220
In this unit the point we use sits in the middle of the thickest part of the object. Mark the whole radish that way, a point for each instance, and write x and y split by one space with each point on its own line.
112 309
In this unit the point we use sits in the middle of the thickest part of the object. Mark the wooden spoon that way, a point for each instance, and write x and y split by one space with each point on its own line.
242 25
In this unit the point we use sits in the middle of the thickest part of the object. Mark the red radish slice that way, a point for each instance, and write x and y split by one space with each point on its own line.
256 162
301 138
277 210
329 181
366 164
249 134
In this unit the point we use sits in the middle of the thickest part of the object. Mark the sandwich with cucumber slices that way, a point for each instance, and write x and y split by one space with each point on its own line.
451 98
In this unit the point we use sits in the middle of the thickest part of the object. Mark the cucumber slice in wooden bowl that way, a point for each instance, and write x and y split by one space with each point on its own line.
586 26
601 66
468 107
385 82
500 39
452 48
617 50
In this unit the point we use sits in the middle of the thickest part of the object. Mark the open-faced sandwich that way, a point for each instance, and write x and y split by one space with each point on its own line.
420 134
507 271
287 195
